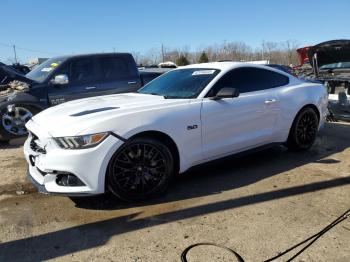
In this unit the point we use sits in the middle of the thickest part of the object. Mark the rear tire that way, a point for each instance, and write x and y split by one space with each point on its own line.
141 169
303 132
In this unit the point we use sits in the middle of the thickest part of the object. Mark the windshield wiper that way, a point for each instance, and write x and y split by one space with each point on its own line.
164 96
172 97
153 94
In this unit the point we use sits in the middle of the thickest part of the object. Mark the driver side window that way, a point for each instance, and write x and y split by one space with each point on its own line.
79 71
226 81
249 79
63 70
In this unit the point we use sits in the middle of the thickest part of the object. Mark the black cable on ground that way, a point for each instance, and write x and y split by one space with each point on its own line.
316 236
184 253
312 240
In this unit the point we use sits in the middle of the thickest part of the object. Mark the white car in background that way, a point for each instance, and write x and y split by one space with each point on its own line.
133 144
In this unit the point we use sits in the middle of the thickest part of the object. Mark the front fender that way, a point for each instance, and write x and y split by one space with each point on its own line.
21 98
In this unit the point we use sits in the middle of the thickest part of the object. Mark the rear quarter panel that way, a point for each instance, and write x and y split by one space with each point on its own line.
293 98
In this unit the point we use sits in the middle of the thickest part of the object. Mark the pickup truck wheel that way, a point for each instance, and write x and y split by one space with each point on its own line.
12 122
140 169
302 135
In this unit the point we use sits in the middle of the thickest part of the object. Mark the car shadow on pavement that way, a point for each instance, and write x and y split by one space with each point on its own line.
83 237
14 143
236 171
205 180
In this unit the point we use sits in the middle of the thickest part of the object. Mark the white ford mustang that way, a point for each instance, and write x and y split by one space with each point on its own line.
132 144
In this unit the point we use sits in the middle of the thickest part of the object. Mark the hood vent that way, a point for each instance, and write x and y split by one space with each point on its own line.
87 112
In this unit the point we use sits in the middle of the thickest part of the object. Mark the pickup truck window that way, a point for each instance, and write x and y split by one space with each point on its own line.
83 70
114 68
181 83
42 71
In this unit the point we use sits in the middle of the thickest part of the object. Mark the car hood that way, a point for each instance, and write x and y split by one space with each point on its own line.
12 74
72 118
330 52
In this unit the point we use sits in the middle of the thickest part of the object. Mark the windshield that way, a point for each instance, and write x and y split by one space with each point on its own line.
339 65
181 83
41 72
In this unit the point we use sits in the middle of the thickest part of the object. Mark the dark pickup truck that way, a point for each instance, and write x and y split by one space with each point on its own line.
62 79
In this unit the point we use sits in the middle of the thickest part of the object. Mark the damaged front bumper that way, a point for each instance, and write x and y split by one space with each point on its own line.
54 170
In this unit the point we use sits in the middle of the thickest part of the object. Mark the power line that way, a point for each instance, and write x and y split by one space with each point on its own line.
28 49
36 51
5 45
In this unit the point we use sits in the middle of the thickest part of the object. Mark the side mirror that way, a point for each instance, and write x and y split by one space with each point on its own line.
60 80
226 92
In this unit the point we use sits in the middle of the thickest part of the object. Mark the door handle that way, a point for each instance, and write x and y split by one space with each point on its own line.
131 82
270 101
90 87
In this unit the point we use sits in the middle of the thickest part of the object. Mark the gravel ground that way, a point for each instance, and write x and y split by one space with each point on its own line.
258 204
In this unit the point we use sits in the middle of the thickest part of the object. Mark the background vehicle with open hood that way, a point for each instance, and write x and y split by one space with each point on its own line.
331 64
62 79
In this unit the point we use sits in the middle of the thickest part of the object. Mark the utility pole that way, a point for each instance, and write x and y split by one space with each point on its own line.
14 51
162 53
113 49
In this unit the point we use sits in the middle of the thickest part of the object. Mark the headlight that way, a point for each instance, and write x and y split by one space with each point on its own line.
80 142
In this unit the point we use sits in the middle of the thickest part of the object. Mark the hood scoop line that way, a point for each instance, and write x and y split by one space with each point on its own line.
87 112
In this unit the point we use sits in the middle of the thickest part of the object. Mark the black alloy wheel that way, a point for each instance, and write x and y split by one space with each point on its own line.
140 169
304 130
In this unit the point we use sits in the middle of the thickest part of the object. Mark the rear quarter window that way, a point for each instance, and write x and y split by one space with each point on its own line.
273 79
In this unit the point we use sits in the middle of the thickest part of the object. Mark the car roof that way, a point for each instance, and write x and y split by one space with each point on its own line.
90 55
229 65
215 65
154 70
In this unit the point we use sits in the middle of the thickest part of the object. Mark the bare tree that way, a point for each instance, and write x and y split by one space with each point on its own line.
268 48
290 48
137 56
279 53
154 55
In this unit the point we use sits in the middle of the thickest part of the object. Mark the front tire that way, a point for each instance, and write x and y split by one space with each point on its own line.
12 124
142 168
303 132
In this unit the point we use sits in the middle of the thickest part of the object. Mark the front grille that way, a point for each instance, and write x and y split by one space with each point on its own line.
34 146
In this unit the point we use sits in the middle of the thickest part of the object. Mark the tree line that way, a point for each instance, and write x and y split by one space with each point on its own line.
275 52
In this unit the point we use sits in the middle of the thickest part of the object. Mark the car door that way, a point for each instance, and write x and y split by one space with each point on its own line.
83 76
118 75
232 125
